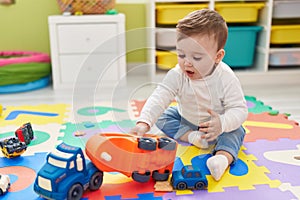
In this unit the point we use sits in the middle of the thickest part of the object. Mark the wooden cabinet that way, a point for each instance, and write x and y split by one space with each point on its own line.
88 50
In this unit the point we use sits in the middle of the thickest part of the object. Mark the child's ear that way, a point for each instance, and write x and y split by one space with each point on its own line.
220 55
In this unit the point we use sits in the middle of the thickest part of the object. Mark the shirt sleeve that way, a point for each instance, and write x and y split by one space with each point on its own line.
161 98
235 106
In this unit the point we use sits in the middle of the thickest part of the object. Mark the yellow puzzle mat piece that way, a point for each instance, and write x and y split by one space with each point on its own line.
256 174
38 114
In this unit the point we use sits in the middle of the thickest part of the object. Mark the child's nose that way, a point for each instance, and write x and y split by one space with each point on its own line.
187 62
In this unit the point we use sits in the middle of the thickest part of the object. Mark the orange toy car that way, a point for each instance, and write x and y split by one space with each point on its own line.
135 156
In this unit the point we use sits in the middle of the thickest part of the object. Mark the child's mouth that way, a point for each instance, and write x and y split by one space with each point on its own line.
189 73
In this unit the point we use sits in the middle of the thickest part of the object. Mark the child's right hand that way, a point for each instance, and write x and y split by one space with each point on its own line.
140 129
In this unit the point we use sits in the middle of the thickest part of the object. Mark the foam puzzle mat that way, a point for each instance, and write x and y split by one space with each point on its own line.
268 166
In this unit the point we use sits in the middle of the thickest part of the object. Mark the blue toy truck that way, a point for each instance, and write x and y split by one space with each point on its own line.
189 177
66 174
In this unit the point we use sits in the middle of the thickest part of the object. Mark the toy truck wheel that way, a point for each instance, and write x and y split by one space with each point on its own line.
96 181
10 150
160 176
1 192
166 143
199 185
29 129
147 144
75 192
142 178
181 186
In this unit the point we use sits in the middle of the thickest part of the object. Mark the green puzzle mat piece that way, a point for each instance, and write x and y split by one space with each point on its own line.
256 106
70 128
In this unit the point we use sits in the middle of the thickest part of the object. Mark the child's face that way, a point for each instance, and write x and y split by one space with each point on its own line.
197 55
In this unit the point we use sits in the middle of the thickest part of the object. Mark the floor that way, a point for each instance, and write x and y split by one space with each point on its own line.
284 98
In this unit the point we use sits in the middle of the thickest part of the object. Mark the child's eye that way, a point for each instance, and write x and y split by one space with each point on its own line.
181 55
197 58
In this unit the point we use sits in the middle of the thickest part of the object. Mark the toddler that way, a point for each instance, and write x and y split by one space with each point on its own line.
211 105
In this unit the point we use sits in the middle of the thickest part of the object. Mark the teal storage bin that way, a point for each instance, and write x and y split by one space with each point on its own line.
240 46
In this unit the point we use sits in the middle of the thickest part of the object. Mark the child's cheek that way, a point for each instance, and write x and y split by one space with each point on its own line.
204 67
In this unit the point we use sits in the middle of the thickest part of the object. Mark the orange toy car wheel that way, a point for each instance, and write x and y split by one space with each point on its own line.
142 178
160 176
166 143
147 144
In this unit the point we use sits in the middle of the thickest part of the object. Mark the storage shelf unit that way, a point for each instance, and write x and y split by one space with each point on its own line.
285 35
260 67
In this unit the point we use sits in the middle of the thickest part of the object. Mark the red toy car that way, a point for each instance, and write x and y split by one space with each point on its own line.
25 133
136 157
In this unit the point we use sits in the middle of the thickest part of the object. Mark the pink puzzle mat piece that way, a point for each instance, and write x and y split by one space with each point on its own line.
270 127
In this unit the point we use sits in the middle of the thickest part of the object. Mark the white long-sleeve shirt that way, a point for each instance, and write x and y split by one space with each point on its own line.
221 91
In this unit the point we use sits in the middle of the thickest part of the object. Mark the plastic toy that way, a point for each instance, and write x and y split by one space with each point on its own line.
12 147
4 183
34 85
133 156
25 133
21 64
189 177
66 174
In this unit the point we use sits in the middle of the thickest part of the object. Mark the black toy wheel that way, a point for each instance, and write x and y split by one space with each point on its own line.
181 186
29 129
147 144
96 180
166 143
199 185
160 176
75 192
10 150
142 178
1 192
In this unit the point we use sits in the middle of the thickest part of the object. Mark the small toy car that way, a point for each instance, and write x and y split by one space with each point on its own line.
12 147
25 133
189 177
4 183
138 157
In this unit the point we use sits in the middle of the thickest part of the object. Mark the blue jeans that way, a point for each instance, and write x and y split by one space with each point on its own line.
175 126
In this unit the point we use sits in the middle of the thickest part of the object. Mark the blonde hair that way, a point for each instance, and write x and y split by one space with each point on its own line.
203 22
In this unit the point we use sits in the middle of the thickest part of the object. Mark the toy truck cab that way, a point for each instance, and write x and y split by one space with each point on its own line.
188 177
66 174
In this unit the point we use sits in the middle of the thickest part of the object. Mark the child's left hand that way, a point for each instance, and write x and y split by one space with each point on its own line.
212 128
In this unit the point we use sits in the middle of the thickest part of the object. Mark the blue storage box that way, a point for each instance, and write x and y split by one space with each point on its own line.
240 46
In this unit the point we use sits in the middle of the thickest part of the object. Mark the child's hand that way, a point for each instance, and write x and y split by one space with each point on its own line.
140 129
212 128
